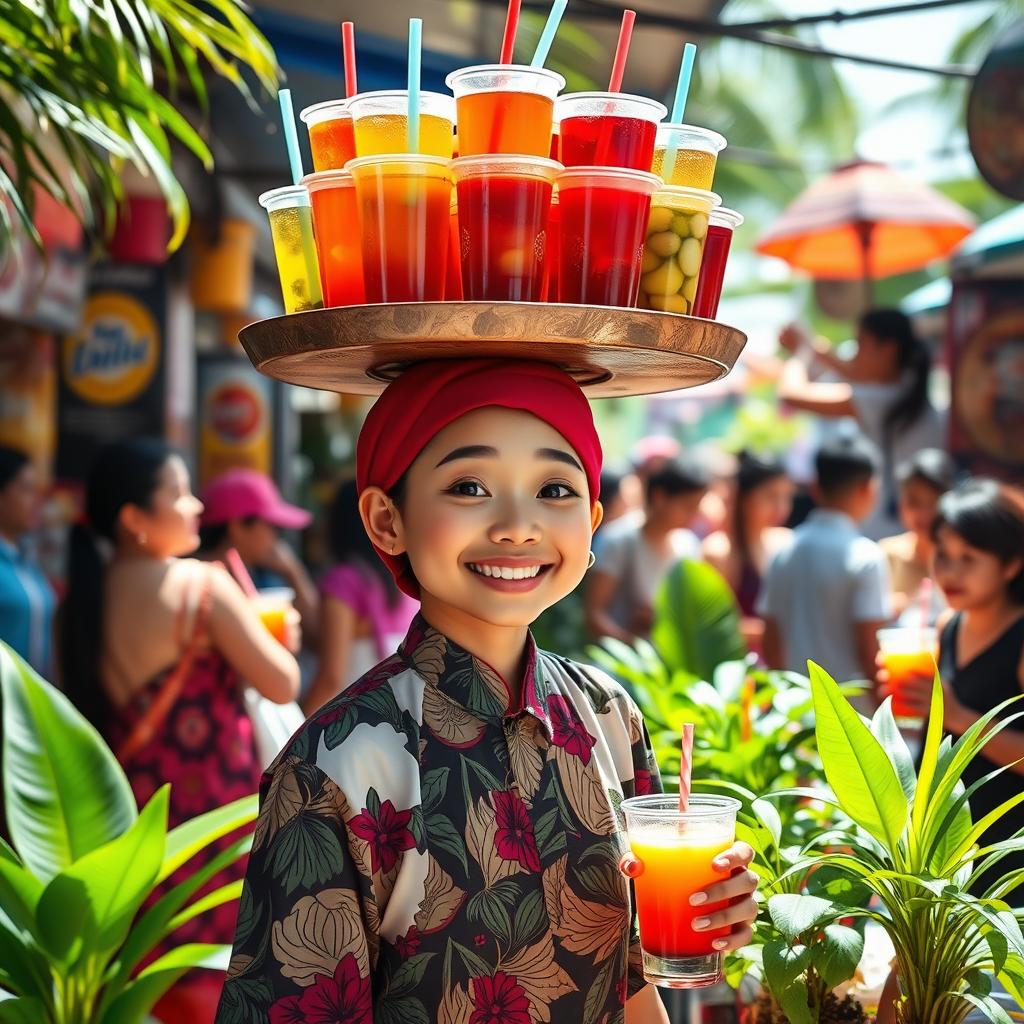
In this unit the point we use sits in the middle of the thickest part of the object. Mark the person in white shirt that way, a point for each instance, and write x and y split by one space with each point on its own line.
825 597
632 562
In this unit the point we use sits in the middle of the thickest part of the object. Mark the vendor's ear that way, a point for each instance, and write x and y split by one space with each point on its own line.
596 516
382 521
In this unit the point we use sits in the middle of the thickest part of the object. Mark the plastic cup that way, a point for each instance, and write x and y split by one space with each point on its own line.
336 227
272 606
453 276
697 152
291 228
331 138
380 120
550 292
607 129
603 214
504 205
721 225
907 653
404 216
677 849
505 108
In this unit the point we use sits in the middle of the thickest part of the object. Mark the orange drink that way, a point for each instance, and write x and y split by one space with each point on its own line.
331 138
381 119
273 607
336 227
677 849
695 155
907 653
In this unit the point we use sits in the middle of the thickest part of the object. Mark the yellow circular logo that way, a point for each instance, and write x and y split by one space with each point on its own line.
111 360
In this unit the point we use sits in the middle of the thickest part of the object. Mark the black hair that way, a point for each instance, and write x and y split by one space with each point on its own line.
124 473
892 327
990 517
212 536
12 462
350 542
753 470
844 464
931 466
611 484
677 477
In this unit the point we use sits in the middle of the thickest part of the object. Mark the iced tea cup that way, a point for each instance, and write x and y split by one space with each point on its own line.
908 652
336 227
504 108
677 849
273 606
721 225
603 216
331 137
674 248
453 276
504 206
607 129
381 119
696 153
404 215
291 228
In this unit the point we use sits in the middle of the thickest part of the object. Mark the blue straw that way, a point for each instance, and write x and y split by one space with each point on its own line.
547 37
678 106
415 57
291 140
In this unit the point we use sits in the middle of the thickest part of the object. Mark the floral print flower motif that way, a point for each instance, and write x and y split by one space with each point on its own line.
567 730
499 1000
408 943
642 782
514 838
388 835
343 999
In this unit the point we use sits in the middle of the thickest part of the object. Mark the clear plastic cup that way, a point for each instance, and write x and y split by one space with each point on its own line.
908 652
380 120
505 108
721 225
674 248
336 228
696 153
677 849
272 606
453 276
504 206
331 138
291 228
603 213
404 216
607 129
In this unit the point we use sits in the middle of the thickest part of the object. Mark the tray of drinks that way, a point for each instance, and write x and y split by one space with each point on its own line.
610 351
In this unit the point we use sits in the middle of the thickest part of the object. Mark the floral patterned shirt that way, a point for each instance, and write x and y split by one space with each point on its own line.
425 852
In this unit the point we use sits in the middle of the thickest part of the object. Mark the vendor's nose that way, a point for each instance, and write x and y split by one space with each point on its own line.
515 524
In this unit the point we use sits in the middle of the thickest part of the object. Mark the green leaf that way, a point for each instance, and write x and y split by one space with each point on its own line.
22 1011
837 954
306 852
989 1007
530 919
185 841
856 766
885 730
435 784
409 975
794 1002
27 971
66 795
443 834
473 964
20 890
783 965
405 1010
796 915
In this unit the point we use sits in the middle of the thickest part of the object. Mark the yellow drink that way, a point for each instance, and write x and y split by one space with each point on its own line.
385 133
693 167
295 250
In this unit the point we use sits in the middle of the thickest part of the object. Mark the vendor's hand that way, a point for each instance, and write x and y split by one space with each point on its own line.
793 337
736 891
916 698
293 630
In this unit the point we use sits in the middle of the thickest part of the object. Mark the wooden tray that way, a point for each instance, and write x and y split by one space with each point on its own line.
609 351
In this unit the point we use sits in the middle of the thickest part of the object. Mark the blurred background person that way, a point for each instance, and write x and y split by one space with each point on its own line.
760 505
26 597
922 480
613 496
364 616
153 649
883 387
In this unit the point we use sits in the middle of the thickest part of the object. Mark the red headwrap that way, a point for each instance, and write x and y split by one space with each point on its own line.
429 396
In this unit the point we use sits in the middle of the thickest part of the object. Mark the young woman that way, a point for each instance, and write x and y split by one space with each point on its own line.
153 649
363 614
979 564
884 387
441 841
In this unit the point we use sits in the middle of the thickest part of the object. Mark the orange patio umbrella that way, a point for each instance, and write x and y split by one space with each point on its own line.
865 221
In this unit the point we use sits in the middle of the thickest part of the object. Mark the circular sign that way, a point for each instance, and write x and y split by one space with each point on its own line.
234 412
113 357
995 115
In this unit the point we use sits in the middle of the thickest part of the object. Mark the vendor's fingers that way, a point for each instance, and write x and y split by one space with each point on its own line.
739 938
741 884
631 866
742 913
739 855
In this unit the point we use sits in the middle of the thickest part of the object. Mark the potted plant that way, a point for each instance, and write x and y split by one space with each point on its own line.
73 932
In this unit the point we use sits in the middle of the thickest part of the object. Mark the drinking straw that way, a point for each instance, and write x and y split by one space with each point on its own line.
685 766
679 105
415 56
348 50
508 40
621 51
291 139
237 569
547 37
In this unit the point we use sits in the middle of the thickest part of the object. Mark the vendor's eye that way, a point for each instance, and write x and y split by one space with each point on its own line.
468 489
557 491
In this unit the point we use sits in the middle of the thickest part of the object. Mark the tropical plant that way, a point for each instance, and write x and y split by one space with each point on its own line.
74 932
88 88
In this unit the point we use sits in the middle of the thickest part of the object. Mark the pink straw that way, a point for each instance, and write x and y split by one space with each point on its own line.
508 40
621 51
348 49
685 766
237 569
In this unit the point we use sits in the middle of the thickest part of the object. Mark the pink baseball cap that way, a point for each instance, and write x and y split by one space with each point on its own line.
241 493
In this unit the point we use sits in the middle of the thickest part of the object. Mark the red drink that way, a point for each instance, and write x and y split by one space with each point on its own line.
336 229
603 222
550 293
453 277
603 129
721 224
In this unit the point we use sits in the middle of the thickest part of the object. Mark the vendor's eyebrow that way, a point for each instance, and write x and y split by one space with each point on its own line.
472 451
557 455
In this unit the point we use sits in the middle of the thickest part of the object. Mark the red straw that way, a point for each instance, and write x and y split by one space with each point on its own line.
508 40
348 49
237 569
621 51
685 766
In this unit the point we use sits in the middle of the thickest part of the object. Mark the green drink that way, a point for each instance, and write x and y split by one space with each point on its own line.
291 227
